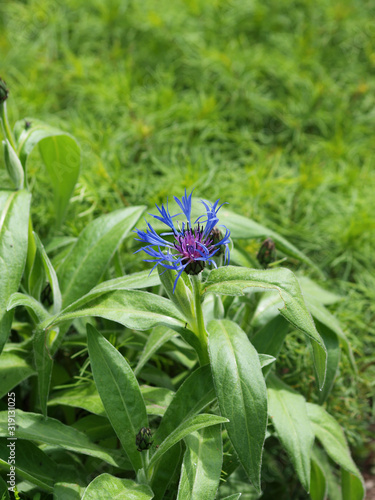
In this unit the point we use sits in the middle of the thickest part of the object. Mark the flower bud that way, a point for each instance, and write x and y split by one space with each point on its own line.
216 236
3 91
143 439
267 253
13 165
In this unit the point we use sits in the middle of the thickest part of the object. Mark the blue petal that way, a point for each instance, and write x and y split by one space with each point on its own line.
185 205
165 216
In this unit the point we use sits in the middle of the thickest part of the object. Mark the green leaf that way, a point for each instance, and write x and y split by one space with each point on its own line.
34 307
14 220
201 467
270 338
130 282
4 492
51 275
334 353
34 427
44 362
31 463
88 258
333 486
196 392
324 317
241 392
235 496
83 396
187 427
183 295
37 277
97 428
352 486
318 483
165 471
119 391
234 280
67 491
157 399
14 368
331 436
60 154
62 157
86 396
266 360
287 410
132 308
107 487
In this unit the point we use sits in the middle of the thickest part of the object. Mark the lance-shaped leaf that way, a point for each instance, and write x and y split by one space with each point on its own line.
241 392
134 281
34 427
34 307
201 468
60 154
332 344
31 463
119 392
187 427
318 482
51 275
351 486
107 487
67 491
131 308
43 362
14 220
14 368
192 397
235 280
4 492
88 258
287 410
331 436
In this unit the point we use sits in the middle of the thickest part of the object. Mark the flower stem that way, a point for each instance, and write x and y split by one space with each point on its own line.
5 125
200 329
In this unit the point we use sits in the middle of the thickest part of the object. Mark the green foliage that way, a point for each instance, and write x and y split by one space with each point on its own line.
267 105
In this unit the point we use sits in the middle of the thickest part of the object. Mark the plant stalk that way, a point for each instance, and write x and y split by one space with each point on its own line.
199 327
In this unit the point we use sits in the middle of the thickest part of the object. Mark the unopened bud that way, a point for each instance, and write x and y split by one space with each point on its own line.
143 439
216 236
267 253
4 92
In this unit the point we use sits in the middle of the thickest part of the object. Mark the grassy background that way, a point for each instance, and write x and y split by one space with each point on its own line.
268 105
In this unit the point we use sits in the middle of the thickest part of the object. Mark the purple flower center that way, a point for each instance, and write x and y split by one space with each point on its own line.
192 245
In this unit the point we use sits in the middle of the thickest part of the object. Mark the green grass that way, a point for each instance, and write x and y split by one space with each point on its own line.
268 105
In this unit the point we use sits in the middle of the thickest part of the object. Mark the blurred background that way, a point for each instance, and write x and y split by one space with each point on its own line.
267 105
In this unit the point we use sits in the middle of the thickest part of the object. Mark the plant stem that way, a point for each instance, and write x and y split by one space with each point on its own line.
200 329
5 125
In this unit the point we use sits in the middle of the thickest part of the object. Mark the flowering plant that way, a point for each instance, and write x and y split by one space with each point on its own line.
192 246
213 412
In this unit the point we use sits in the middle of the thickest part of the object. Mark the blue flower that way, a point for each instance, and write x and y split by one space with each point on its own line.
192 245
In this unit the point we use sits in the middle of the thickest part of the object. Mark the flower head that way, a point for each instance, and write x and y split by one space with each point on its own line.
192 245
